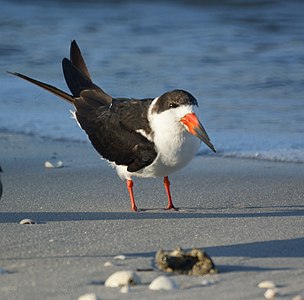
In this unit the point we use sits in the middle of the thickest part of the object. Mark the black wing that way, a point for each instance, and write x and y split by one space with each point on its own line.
113 131
111 124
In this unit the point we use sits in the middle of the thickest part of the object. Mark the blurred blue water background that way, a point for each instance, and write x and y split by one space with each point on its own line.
242 60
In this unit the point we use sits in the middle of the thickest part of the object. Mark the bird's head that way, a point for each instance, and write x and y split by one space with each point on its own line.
180 105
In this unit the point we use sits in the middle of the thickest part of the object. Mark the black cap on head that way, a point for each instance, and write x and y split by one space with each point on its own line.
173 99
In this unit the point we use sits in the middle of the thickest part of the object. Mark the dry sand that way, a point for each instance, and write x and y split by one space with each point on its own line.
248 215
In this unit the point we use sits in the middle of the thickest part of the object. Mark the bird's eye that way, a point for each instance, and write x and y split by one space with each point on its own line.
173 105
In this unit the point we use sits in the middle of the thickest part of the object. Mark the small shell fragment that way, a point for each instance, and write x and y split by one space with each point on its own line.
90 296
49 165
122 278
125 289
163 283
206 282
27 221
298 297
270 293
266 284
108 264
120 257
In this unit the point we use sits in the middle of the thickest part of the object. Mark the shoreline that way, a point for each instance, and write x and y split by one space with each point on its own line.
247 214
201 153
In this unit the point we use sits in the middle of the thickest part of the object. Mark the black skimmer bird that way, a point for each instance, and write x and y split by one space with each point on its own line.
151 137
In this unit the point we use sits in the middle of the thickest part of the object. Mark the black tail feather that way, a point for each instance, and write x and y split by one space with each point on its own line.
78 80
47 87
75 79
77 59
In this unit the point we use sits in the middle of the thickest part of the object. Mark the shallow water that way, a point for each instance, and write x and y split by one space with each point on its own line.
242 60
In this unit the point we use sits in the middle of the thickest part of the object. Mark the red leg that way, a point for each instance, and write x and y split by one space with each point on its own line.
167 188
130 189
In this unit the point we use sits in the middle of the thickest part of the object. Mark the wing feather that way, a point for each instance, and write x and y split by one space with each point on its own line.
111 124
112 131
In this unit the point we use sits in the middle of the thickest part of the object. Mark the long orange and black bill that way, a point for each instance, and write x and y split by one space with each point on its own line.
195 127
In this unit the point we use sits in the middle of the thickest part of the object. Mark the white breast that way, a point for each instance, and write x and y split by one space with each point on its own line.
175 146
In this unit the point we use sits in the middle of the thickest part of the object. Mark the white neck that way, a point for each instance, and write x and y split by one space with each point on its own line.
174 144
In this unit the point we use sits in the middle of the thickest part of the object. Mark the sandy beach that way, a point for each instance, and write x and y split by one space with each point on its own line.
242 61
248 215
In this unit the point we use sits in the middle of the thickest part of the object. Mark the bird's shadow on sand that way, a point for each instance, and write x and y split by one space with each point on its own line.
154 213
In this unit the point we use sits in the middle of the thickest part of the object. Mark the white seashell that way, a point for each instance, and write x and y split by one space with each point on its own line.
270 293
266 284
122 278
125 289
108 264
90 296
49 165
120 257
163 283
298 297
27 221
207 282
59 164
